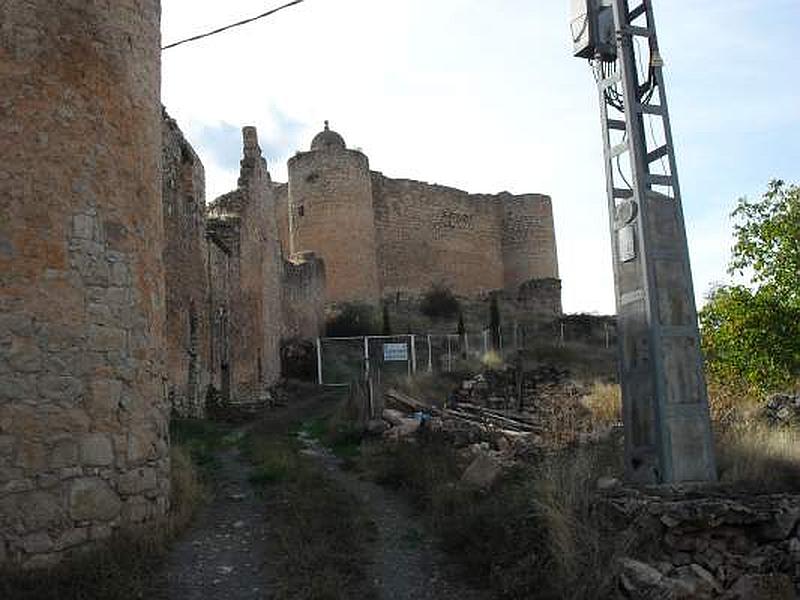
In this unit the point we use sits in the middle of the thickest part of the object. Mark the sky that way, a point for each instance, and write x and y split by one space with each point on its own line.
485 96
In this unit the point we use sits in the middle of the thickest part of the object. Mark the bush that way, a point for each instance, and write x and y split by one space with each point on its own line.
353 319
439 303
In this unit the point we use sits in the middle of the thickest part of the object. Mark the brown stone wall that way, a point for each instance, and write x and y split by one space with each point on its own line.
83 410
304 297
186 268
280 192
222 242
256 269
431 234
528 239
331 214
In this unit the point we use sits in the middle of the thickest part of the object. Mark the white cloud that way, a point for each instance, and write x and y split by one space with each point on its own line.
480 95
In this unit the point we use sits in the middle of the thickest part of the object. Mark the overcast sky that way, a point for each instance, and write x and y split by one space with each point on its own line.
485 96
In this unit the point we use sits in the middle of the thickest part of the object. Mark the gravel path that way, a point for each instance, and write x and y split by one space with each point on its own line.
406 565
223 555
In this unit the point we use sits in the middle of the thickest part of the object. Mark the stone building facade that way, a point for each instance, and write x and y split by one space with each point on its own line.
380 237
232 297
83 409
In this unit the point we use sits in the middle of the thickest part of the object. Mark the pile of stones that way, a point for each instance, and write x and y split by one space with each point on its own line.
713 546
782 409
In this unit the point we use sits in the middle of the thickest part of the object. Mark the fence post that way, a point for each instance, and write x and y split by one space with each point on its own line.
413 353
562 334
466 344
319 360
366 357
485 341
449 355
430 355
608 342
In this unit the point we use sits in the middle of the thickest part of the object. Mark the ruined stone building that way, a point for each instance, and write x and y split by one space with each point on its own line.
231 295
380 237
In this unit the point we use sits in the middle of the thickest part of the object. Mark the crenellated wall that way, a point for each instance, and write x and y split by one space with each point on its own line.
83 409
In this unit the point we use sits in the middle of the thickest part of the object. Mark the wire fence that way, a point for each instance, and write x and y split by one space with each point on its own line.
342 360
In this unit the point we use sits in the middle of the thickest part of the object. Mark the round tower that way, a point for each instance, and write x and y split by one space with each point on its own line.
83 413
528 243
331 214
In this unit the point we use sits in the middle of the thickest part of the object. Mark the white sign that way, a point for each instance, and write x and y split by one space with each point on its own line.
395 353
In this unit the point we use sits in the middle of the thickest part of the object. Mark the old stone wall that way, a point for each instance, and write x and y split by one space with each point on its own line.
380 236
186 272
256 309
304 296
430 234
331 214
83 410
280 193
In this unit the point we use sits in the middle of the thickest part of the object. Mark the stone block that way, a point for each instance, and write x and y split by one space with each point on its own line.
96 450
31 456
60 388
17 387
40 510
83 227
106 338
37 543
138 481
140 446
135 510
483 472
7 444
72 537
64 454
24 356
91 499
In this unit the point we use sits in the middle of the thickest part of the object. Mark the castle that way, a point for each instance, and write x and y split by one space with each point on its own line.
381 236
125 297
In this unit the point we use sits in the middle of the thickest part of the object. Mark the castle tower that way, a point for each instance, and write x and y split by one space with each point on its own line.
528 240
331 214
83 410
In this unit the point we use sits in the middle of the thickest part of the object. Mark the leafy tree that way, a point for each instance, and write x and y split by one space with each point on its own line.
768 241
494 322
754 334
751 336
439 303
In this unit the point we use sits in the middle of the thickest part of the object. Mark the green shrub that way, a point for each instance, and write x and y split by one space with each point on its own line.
439 303
353 319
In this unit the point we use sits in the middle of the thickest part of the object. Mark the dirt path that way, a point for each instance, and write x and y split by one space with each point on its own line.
223 555
406 565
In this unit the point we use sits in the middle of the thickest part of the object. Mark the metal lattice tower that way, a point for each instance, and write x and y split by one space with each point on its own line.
665 403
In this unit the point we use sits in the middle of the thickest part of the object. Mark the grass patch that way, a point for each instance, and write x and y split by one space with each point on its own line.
533 535
202 440
320 530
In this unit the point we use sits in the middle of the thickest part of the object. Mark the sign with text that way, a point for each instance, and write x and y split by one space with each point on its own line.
395 353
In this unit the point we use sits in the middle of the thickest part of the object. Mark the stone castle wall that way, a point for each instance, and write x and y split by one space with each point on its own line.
186 270
304 297
330 213
381 236
83 410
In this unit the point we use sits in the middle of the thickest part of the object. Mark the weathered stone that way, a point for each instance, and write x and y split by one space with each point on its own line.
775 586
107 338
60 388
638 576
782 524
37 543
64 453
137 481
483 472
72 537
136 510
39 510
24 355
96 450
91 499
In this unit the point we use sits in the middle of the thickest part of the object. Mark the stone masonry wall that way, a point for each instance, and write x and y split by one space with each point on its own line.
304 297
256 309
186 269
83 410
331 214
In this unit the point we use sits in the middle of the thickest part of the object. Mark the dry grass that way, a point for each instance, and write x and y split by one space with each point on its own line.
532 536
605 403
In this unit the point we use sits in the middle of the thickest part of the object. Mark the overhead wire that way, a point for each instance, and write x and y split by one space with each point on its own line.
232 25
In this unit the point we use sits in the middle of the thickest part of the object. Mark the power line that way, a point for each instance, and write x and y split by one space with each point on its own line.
227 27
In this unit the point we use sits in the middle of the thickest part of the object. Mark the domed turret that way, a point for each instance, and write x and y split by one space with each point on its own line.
328 140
